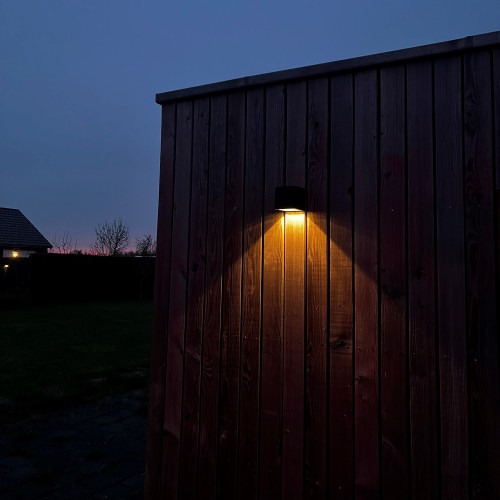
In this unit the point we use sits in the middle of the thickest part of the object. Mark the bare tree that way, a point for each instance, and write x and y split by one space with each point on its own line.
145 246
63 244
111 238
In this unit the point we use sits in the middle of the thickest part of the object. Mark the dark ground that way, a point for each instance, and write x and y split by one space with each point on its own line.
73 399
91 451
57 356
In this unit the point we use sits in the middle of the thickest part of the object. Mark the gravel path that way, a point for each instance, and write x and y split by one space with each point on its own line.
94 450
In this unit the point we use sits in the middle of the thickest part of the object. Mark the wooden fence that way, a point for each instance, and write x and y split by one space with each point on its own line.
352 351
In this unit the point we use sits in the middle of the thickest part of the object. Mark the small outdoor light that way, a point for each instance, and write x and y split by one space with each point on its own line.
290 199
15 254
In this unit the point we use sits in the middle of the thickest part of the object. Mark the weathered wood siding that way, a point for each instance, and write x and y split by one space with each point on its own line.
350 352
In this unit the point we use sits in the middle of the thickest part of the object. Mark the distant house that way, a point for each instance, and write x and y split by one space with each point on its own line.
18 236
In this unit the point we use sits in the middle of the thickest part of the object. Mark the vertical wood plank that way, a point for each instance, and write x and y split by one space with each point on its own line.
496 104
393 354
341 473
496 149
294 296
248 437
366 417
177 312
195 299
481 294
451 278
161 302
271 418
421 303
496 128
207 461
227 471
317 290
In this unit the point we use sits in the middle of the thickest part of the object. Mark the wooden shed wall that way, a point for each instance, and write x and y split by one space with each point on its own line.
351 352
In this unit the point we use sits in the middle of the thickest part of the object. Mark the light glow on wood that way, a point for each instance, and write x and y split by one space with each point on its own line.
295 218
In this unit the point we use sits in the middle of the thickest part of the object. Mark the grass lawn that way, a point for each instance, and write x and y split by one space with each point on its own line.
53 356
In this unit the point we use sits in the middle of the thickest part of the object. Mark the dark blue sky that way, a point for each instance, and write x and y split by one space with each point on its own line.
79 128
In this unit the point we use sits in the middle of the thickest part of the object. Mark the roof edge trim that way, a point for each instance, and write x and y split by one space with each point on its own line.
357 63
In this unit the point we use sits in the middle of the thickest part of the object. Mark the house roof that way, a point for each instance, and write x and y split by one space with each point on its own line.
17 231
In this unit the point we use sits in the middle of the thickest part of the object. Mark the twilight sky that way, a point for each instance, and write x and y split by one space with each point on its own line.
79 127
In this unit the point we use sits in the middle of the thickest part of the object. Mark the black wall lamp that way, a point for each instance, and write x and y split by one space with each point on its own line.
290 199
